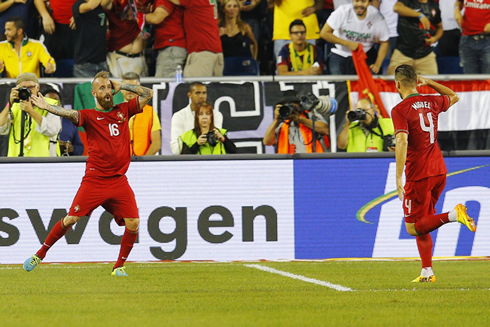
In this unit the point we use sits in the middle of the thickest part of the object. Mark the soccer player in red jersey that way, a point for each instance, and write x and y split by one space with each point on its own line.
416 150
105 183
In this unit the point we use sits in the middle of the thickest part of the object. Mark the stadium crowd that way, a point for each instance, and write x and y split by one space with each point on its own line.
205 38
243 37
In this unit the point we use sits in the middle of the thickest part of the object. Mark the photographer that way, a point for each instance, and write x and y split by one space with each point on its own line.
39 124
364 131
205 138
291 129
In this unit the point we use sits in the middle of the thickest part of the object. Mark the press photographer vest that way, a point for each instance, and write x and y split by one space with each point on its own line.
359 142
142 124
190 138
283 139
35 143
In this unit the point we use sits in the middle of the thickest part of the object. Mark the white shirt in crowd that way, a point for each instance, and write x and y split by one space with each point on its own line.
347 26
391 17
447 14
183 120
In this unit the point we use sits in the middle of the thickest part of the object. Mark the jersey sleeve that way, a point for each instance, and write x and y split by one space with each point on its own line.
399 121
134 107
82 117
442 103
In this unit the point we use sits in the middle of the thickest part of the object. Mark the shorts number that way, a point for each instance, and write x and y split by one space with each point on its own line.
426 128
408 205
113 129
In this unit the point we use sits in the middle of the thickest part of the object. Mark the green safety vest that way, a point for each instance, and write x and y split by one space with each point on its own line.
35 143
359 142
190 138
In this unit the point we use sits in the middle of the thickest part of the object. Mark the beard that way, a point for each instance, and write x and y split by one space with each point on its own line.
106 103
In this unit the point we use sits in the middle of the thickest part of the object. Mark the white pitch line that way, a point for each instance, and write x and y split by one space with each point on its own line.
339 288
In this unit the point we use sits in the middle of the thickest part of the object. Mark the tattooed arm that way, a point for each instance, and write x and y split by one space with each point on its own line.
145 94
40 102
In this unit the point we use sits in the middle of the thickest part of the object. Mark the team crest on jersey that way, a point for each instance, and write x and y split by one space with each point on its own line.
121 117
77 208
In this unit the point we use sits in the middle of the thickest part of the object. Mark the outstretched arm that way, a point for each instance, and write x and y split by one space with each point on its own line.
40 102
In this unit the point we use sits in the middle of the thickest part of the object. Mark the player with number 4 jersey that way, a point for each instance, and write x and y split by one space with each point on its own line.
109 154
417 151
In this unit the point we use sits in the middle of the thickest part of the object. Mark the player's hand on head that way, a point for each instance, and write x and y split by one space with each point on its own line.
116 85
421 81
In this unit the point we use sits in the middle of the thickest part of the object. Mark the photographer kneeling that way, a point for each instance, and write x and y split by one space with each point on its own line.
205 138
292 127
364 131
29 127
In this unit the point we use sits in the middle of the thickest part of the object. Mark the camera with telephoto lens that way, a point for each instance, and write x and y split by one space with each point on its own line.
358 114
309 102
23 94
211 138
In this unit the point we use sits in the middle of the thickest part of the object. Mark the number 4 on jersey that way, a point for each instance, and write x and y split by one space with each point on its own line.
425 128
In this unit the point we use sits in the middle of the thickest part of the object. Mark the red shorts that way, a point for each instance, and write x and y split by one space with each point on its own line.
420 197
113 193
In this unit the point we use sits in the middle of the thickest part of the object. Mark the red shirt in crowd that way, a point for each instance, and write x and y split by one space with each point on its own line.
476 16
62 10
417 115
170 33
201 26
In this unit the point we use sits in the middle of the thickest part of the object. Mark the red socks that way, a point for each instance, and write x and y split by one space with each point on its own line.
127 242
54 235
427 224
424 244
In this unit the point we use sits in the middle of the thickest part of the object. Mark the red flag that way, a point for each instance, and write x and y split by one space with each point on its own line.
366 86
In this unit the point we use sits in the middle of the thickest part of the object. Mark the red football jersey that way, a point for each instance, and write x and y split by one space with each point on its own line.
201 26
108 138
417 115
170 32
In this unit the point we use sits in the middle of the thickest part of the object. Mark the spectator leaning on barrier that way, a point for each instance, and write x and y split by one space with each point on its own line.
39 125
144 128
419 27
291 130
370 133
299 57
183 120
349 25
205 138
474 46
170 42
20 54
205 54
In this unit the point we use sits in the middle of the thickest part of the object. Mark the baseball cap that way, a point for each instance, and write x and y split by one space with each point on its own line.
27 77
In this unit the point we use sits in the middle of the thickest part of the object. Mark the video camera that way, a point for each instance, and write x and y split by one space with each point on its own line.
24 94
323 104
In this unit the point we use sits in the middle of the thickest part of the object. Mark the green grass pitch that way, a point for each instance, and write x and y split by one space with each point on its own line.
239 294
